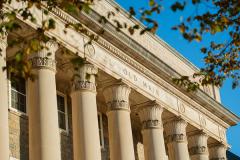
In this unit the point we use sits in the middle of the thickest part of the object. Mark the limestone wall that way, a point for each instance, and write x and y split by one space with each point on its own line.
18 135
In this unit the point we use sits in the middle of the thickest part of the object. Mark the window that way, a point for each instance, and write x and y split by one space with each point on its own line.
18 94
100 126
62 111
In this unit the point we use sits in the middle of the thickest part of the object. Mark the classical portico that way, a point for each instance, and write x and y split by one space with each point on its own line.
119 104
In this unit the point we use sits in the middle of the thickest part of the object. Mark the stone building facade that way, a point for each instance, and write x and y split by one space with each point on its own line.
122 106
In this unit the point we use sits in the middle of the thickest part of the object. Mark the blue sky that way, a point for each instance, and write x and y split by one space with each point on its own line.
167 19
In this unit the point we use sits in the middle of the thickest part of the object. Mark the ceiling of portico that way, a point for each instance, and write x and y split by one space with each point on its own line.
24 33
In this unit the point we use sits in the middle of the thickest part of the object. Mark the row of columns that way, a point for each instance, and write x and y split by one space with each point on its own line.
44 138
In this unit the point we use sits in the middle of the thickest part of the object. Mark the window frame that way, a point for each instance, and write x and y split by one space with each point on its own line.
10 97
100 130
66 112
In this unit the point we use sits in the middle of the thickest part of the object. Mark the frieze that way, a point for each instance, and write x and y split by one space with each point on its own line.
120 54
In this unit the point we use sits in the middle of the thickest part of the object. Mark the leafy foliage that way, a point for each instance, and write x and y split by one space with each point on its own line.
221 59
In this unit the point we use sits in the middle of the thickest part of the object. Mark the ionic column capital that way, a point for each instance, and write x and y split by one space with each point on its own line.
150 115
176 130
198 143
117 97
84 78
45 58
217 152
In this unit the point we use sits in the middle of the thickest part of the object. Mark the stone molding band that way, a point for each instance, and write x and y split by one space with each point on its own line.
43 62
151 124
84 85
176 138
198 150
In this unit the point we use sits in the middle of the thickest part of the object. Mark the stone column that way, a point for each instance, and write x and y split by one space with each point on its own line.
198 148
44 138
119 123
4 130
152 132
217 152
86 141
177 139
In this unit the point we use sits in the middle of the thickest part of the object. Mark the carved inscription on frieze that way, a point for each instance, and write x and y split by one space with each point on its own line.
136 78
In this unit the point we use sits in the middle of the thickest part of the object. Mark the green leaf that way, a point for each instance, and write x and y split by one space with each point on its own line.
18 56
151 2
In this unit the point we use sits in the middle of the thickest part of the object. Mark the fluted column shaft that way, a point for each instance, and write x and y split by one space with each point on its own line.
4 129
86 142
152 131
198 148
44 138
217 152
119 123
177 139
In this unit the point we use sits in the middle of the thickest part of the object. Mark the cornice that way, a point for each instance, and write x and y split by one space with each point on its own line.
157 66
114 4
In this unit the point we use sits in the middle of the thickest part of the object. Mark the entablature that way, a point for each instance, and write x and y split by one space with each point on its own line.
121 66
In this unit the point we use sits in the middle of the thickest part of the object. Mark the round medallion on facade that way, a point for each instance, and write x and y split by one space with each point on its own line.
221 133
181 107
89 50
203 122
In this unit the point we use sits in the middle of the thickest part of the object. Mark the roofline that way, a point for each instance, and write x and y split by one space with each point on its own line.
232 119
156 37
